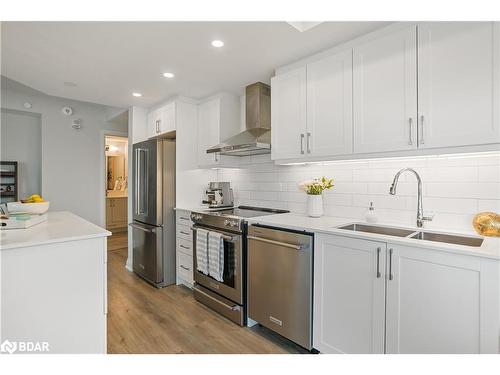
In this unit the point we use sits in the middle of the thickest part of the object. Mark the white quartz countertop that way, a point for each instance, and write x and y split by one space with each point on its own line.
60 226
200 209
489 249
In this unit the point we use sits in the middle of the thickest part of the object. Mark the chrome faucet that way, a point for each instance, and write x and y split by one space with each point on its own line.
420 211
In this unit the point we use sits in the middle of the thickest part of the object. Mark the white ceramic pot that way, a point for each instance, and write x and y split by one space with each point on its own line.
314 205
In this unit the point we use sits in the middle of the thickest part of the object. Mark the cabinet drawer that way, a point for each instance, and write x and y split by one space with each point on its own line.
183 218
184 232
185 267
185 246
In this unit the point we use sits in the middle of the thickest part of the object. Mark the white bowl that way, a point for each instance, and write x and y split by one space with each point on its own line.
28 208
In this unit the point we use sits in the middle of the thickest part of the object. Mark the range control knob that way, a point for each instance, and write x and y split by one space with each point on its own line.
227 223
234 224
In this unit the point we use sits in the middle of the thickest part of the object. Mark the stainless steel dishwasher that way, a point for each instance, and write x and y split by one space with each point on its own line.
280 279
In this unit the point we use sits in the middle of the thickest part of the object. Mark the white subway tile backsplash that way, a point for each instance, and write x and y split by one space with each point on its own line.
490 173
454 187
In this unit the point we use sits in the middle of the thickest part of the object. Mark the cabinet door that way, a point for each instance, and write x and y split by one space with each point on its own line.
348 295
288 115
433 302
109 212
208 131
329 106
385 93
153 126
168 118
120 212
458 80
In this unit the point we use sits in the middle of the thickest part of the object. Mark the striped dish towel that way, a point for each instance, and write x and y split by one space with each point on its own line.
215 256
202 250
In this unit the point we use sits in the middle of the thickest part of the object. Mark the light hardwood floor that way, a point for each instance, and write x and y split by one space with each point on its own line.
143 319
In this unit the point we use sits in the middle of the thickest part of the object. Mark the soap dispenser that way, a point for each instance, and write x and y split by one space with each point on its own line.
371 217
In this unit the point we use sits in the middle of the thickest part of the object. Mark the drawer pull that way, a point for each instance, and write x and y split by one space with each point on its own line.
185 247
183 218
185 233
185 268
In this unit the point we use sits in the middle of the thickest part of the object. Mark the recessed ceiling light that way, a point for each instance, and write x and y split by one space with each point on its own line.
136 94
217 43
168 75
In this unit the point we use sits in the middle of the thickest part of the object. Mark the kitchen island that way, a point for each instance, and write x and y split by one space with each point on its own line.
53 285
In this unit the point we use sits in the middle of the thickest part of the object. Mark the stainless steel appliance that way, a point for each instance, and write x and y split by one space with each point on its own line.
153 189
280 276
256 139
219 194
229 296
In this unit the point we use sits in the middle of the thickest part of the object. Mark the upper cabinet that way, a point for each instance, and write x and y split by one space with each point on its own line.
385 93
162 120
399 91
312 109
288 115
329 105
218 119
458 79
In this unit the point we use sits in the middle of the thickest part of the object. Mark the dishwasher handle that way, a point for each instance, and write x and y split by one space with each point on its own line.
278 243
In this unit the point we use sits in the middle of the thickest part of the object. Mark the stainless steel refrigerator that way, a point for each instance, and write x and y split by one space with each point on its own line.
153 190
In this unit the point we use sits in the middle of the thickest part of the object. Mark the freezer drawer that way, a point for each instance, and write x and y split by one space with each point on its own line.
280 282
147 252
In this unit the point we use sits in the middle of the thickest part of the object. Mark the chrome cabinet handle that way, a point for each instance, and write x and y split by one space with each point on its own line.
390 264
183 218
302 143
308 142
185 247
182 232
278 243
185 268
379 249
421 135
410 124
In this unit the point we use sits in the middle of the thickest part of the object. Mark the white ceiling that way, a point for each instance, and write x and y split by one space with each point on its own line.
110 60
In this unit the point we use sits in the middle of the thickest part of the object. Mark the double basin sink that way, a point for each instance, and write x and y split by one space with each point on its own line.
417 235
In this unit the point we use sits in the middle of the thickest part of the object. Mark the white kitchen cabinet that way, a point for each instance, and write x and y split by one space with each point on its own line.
436 302
458 83
116 213
288 115
329 106
404 299
218 119
385 93
184 248
162 120
348 295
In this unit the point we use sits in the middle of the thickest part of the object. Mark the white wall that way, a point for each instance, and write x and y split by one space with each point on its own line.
454 187
23 127
71 171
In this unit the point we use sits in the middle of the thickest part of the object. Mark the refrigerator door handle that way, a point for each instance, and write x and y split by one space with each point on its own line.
141 180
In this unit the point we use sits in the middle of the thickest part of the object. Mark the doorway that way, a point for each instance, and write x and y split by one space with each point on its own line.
116 190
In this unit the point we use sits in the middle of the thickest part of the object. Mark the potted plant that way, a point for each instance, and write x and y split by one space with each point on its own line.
314 190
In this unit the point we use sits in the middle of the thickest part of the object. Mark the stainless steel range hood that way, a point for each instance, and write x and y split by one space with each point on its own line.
256 139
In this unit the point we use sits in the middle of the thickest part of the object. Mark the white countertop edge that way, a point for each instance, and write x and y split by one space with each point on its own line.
328 225
42 235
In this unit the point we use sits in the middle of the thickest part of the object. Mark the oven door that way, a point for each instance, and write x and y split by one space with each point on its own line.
232 286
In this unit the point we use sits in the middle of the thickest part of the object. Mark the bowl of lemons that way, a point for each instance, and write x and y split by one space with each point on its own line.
34 205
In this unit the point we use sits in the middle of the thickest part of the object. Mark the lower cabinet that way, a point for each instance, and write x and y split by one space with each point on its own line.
116 213
184 248
375 297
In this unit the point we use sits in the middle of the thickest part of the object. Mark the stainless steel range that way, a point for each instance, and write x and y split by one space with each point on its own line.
227 297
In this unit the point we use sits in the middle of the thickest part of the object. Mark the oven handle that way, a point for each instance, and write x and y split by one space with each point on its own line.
224 236
233 308
278 243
